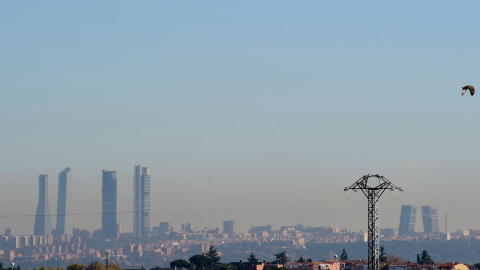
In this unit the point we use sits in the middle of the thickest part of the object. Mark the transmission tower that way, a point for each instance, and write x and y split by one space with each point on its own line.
373 186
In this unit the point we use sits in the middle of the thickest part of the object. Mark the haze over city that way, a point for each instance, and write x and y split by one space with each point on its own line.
258 112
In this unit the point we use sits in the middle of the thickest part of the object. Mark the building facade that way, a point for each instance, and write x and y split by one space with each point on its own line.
141 201
229 227
64 203
43 225
109 204
407 220
430 219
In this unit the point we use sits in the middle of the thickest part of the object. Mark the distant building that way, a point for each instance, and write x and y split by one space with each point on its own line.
141 201
164 228
9 232
229 227
109 204
430 219
43 225
389 233
187 227
64 203
407 220
259 229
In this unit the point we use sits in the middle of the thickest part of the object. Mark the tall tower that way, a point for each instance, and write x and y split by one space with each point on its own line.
43 225
109 204
229 227
430 219
64 203
141 201
407 220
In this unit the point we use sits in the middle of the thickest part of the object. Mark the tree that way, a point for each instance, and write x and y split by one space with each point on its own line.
383 255
281 258
425 258
213 257
252 258
95 266
226 266
477 265
76 266
200 261
301 259
179 263
344 255
309 260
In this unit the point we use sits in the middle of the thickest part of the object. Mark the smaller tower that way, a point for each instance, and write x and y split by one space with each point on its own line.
43 225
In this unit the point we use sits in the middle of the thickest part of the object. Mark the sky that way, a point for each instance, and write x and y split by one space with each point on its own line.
260 112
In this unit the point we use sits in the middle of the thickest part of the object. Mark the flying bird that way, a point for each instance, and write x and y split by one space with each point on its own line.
470 88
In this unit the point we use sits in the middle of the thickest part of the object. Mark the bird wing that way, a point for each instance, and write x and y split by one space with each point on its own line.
463 91
472 90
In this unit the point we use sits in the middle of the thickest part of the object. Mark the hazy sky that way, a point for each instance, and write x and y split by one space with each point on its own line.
256 111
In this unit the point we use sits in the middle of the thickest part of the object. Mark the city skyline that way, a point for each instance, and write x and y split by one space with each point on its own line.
245 111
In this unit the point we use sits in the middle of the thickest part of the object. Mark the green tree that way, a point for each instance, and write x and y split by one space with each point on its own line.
200 261
344 255
309 260
252 258
425 258
95 266
281 258
477 265
213 258
76 266
383 255
301 259
179 263
226 266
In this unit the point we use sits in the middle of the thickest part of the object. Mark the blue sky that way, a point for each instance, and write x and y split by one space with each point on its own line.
257 111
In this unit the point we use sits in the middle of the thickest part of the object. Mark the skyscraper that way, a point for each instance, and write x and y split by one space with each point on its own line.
43 225
109 204
64 203
229 227
141 201
407 220
430 219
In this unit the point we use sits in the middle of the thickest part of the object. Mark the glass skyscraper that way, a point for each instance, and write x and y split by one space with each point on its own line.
43 225
407 220
430 219
229 227
109 204
141 201
64 203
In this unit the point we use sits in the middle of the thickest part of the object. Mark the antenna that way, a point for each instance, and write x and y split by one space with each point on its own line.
373 193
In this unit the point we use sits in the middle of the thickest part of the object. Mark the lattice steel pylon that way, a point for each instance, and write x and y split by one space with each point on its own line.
373 191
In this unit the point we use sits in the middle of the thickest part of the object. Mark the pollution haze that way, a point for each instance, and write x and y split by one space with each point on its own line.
260 112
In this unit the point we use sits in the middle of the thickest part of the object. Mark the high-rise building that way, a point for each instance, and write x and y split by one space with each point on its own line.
229 227
141 201
430 219
43 225
109 204
186 227
64 203
407 220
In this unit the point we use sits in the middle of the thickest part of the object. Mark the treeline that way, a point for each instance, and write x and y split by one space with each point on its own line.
210 260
